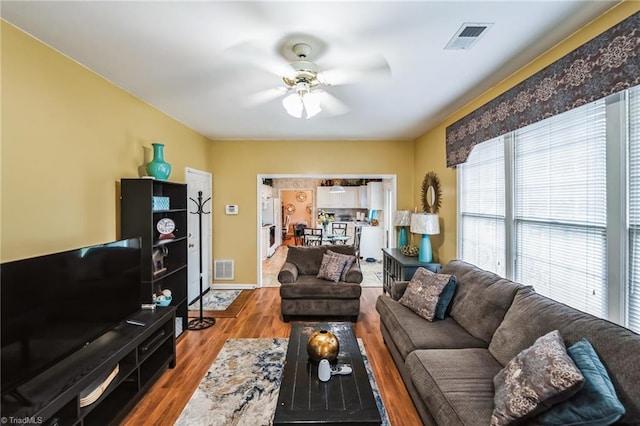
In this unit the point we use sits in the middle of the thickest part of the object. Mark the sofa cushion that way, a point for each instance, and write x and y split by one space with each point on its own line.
533 315
309 287
596 404
456 384
534 380
331 268
423 292
411 332
482 298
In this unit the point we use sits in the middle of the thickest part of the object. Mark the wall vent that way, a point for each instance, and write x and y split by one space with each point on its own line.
467 35
223 269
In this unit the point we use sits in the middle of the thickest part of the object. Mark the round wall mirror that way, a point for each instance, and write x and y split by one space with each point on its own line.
431 197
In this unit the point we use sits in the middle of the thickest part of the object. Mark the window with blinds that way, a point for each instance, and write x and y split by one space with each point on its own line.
560 207
482 206
633 273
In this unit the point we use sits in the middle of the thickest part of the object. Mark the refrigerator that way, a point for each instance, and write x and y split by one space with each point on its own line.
271 212
272 217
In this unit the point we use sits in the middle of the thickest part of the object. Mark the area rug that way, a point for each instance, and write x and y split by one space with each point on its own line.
241 386
221 303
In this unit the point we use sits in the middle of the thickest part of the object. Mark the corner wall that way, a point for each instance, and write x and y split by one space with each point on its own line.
430 154
68 136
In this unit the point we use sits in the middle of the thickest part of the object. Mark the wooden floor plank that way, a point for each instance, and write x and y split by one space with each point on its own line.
260 318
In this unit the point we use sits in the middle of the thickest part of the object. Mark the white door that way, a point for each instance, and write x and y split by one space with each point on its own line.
197 181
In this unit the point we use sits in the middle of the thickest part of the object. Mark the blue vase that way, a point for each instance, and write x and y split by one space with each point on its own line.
158 168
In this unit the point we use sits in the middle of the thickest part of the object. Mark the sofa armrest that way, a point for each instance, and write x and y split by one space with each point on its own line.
397 289
354 274
288 273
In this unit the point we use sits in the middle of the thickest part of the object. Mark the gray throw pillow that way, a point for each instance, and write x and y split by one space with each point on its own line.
537 378
331 268
350 260
423 292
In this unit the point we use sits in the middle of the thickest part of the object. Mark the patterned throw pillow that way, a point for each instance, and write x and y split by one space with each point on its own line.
423 292
350 261
331 268
538 377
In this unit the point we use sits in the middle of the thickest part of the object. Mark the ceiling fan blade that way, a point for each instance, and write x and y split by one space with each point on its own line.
259 56
374 69
264 96
330 104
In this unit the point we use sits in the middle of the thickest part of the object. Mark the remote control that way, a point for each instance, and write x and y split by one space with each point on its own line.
341 369
136 322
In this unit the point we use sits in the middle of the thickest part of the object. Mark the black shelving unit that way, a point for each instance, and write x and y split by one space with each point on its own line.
139 218
142 354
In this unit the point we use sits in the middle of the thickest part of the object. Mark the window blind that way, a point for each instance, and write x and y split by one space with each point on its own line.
633 273
482 206
560 203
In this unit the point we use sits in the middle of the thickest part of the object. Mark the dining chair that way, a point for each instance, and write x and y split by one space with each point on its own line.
312 236
285 227
356 241
298 233
339 229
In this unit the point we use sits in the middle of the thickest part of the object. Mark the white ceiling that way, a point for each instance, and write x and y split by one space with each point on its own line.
201 61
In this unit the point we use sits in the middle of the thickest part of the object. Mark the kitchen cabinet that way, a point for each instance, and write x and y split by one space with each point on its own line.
371 242
375 196
342 200
362 197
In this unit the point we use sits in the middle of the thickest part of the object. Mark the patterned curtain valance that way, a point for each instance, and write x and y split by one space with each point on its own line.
607 64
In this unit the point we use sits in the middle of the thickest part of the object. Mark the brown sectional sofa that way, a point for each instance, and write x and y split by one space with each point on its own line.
448 365
302 294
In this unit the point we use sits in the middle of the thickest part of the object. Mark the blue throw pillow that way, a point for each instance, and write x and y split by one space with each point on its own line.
596 404
445 297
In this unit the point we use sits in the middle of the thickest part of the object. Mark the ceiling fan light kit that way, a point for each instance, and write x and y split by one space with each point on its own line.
302 100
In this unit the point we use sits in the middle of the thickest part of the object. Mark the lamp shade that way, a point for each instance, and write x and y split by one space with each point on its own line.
402 218
425 223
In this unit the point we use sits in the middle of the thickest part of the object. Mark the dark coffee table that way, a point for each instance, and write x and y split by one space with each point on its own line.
304 399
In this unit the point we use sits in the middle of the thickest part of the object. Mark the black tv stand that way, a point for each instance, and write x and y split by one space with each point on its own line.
142 354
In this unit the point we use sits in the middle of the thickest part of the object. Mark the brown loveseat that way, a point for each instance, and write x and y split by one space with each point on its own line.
303 294
448 365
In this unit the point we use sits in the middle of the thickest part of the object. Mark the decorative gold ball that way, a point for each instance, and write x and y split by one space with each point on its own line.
323 344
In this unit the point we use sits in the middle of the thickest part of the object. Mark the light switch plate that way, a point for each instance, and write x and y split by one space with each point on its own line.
231 209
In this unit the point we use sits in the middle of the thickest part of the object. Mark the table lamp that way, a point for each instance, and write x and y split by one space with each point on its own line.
402 218
425 224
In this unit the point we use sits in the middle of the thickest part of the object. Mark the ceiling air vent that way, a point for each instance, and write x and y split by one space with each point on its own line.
468 35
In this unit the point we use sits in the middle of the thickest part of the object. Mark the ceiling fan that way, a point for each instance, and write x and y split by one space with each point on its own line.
305 82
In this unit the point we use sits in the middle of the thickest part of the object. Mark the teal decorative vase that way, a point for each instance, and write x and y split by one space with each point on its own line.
158 168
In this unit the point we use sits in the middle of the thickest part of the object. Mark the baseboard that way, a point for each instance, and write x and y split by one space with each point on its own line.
216 286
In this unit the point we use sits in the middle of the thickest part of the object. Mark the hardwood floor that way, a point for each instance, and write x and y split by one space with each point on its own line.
197 350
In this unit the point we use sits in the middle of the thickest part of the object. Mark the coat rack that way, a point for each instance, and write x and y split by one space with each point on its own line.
201 322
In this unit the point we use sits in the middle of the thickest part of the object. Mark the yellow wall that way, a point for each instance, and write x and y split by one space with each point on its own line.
430 148
236 165
68 136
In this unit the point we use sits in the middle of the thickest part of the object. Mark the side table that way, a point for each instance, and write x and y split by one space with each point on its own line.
398 267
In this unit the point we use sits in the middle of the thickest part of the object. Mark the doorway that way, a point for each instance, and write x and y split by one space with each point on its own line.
297 208
198 180
303 183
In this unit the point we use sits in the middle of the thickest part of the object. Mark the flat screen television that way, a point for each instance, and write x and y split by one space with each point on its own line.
54 305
